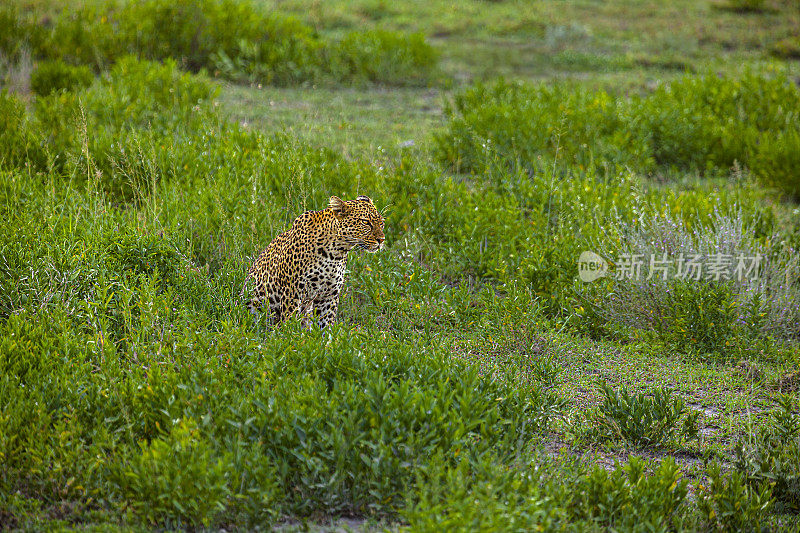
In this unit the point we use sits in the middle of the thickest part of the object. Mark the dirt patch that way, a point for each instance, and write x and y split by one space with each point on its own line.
7 520
749 371
710 412
789 382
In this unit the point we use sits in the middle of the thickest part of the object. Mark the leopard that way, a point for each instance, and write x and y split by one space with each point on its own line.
302 270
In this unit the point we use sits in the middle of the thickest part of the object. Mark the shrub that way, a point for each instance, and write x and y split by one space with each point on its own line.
788 48
485 496
17 32
728 503
708 122
703 123
86 35
149 93
381 56
134 95
286 53
646 419
518 123
627 498
142 255
775 160
184 31
109 131
706 315
177 480
19 143
53 76
771 456
236 39
698 317
743 6
191 32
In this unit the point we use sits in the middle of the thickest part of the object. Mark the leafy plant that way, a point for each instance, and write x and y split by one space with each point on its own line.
728 503
743 6
20 144
546 370
646 420
788 48
518 123
700 317
775 161
484 496
284 58
51 76
17 32
629 498
84 35
700 314
177 480
232 38
704 123
771 456
381 56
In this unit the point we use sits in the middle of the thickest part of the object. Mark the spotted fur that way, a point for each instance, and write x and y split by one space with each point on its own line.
302 270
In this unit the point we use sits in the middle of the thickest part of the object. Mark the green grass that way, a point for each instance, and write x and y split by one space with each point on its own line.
463 385
522 39
372 122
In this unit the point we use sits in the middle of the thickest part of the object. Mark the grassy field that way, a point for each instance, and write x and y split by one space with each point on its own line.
622 47
472 381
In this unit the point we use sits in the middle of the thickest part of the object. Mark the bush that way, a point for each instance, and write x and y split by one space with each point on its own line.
628 499
232 38
286 53
708 122
19 143
771 456
698 317
108 132
192 32
482 497
646 420
701 123
728 503
704 315
54 76
17 32
149 93
743 6
518 124
381 56
176 481
86 35
485 495
142 256
775 160
788 48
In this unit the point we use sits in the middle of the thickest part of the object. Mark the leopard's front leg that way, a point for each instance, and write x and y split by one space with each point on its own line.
326 308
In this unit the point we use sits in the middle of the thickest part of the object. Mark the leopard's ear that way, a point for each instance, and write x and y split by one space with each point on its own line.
338 206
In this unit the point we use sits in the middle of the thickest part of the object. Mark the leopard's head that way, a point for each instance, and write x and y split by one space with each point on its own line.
361 225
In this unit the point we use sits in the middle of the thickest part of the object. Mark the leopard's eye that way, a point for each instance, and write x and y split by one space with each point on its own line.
365 221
